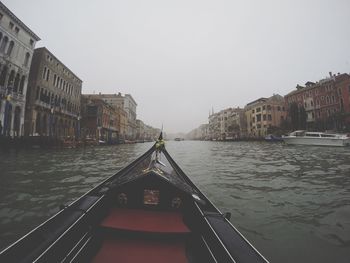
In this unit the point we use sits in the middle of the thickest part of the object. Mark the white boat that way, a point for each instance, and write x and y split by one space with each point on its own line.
317 138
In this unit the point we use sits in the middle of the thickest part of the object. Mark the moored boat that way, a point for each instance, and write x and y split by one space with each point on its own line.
273 138
150 211
317 138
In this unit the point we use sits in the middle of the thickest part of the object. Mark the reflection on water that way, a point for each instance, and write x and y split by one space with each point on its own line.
291 202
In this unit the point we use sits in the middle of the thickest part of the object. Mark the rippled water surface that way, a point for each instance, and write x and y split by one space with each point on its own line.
292 203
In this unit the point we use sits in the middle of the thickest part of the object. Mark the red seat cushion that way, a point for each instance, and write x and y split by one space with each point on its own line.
132 251
145 221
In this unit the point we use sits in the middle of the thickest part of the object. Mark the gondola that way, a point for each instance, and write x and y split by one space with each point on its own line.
150 211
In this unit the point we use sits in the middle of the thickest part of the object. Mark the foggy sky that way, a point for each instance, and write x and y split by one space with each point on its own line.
179 59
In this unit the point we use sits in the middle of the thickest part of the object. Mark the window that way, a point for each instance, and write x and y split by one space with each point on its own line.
44 72
48 75
264 107
9 50
269 117
16 30
11 25
4 44
264 117
258 117
26 59
278 108
31 42
258 109
1 16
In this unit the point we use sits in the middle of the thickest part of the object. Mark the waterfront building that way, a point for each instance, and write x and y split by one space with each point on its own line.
200 133
214 126
264 114
227 124
53 99
100 120
326 102
17 43
128 104
122 124
151 133
140 130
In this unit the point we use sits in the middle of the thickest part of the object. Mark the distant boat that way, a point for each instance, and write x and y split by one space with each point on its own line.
102 142
317 138
273 138
179 139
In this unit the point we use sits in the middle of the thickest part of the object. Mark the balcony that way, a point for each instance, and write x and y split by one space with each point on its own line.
42 104
17 97
12 96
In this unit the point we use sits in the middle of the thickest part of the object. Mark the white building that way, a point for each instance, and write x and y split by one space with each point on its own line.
17 44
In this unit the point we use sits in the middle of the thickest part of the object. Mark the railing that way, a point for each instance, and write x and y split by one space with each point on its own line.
17 97
11 95
42 104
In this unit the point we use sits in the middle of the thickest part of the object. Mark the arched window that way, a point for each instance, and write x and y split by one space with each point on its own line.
16 84
3 76
4 44
11 79
9 50
21 85
26 59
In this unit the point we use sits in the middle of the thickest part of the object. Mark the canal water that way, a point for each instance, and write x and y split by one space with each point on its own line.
291 202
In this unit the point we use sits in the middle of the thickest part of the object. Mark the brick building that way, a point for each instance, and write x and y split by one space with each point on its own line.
326 102
99 120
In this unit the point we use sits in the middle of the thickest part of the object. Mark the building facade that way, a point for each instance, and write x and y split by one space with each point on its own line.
53 99
200 133
227 124
17 44
326 102
128 104
99 120
264 113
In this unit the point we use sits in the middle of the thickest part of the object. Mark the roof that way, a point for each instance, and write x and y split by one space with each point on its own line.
44 49
18 21
311 85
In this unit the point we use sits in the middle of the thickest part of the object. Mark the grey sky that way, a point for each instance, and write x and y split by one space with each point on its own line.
180 58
